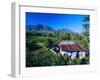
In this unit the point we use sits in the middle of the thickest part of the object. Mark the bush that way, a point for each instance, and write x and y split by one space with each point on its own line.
46 58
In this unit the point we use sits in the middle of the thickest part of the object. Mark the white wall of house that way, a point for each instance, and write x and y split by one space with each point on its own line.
73 54
62 52
82 54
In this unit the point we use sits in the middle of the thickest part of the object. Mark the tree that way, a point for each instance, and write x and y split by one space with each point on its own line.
49 43
86 27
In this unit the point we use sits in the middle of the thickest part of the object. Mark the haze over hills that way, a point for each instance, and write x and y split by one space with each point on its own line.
64 30
42 28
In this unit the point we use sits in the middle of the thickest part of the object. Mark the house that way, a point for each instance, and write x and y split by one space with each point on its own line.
71 49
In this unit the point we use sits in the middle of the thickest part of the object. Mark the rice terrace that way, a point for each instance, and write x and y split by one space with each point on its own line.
57 39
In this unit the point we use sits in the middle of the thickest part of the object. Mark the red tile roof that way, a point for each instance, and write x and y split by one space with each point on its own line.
71 47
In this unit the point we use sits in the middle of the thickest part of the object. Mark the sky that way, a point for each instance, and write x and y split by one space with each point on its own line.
56 21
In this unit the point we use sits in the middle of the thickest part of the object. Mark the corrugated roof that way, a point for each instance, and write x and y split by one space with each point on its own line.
71 47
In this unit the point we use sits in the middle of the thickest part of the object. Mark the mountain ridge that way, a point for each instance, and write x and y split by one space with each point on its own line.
39 27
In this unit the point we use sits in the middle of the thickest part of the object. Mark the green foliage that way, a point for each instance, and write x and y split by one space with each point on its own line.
48 58
86 27
45 58
85 42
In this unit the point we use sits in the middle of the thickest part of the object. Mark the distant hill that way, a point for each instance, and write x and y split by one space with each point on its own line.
65 30
39 27
42 28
